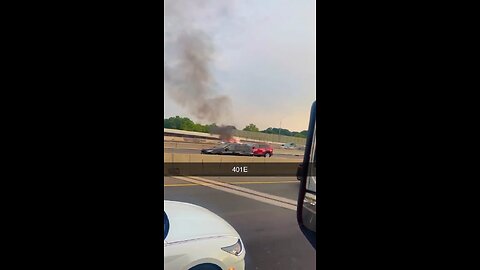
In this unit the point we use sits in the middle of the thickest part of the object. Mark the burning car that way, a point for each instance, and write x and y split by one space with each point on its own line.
225 134
233 140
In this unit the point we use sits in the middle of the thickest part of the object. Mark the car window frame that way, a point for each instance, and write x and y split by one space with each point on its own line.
311 175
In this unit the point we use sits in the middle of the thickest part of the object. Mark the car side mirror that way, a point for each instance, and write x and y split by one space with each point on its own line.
307 197
307 204
226 149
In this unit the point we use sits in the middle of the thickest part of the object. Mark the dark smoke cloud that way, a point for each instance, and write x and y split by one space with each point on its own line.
189 55
225 132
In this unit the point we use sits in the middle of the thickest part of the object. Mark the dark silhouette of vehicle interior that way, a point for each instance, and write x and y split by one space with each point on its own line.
237 149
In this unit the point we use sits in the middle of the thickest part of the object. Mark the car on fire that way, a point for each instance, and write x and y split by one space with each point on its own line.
197 239
238 149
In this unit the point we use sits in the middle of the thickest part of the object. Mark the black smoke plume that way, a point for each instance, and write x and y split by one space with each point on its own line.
189 56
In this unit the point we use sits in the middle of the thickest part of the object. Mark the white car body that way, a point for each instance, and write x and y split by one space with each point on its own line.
196 236
289 146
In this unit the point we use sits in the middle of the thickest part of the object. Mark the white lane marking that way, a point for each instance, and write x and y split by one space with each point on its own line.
254 192
237 183
247 193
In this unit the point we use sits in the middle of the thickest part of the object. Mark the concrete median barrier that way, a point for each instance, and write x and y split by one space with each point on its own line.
199 146
198 158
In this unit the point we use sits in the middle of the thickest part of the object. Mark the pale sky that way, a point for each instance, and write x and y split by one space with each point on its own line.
265 53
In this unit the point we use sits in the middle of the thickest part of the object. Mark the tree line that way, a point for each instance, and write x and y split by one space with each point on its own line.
184 123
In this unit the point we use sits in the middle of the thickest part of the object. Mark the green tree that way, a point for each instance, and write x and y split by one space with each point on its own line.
251 127
173 122
286 132
184 123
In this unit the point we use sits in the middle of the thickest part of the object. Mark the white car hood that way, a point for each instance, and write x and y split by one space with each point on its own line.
189 222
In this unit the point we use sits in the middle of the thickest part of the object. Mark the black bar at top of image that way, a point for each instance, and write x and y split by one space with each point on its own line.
234 169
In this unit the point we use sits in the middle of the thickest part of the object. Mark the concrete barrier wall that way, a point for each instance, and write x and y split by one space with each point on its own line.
199 146
269 137
194 158
243 135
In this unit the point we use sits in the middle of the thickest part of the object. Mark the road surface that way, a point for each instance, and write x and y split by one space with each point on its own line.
261 209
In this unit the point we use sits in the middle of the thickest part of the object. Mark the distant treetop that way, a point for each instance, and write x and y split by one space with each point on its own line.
184 123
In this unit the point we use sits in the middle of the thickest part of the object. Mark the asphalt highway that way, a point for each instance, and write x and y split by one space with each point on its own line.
261 209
